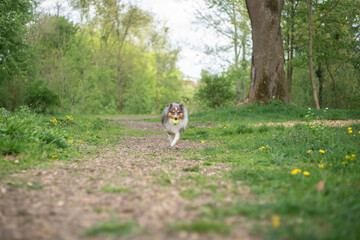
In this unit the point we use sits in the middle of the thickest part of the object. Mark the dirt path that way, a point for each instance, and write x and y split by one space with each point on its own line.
79 194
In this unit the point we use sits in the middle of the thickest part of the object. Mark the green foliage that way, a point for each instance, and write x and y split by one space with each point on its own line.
14 51
16 64
39 98
337 71
216 91
98 70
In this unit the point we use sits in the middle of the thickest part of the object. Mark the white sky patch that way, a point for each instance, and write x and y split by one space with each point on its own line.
179 16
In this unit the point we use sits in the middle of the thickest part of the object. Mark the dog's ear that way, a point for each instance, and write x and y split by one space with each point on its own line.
182 107
169 105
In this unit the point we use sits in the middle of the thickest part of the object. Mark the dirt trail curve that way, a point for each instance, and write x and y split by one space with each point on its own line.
73 197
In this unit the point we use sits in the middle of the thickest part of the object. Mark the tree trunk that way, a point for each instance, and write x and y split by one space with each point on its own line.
319 74
290 43
333 86
243 64
268 80
236 54
311 67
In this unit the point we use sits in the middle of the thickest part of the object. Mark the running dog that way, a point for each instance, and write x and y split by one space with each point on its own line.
175 119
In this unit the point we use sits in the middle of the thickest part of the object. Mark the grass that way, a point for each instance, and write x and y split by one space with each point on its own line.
195 168
274 112
191 193
115 189
202 226
320 205
114 229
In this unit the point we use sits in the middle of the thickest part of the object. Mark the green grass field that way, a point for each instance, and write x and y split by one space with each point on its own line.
304 180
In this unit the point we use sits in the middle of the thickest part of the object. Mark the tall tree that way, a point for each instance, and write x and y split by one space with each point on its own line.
268 79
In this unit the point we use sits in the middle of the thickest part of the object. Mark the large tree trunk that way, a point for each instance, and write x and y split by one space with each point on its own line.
268 79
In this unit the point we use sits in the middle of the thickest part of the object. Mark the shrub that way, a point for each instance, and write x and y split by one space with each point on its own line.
39 98
216 91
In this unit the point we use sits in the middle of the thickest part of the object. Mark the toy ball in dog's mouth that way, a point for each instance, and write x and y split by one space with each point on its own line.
175 121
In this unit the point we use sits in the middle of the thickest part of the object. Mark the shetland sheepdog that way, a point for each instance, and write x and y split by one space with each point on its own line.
175 119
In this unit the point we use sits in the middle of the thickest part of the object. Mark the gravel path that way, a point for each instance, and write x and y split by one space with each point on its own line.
151 176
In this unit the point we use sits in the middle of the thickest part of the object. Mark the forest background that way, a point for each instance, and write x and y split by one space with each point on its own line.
118 57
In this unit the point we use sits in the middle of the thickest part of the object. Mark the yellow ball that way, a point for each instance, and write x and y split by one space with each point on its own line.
175 121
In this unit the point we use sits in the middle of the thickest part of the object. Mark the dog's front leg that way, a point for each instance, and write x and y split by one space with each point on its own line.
170 137
176 138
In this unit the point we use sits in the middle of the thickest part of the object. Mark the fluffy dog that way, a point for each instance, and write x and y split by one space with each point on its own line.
175 119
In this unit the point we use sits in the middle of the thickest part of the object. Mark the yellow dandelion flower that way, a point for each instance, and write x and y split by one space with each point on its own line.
321 165
295 171
350 131
202 142
67 116
308 151
321 151
275 221
349 128
306 173
344 163
224 127
353 155
54 156
347 157
262 148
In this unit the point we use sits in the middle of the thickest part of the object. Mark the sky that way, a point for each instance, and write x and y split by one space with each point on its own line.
179 17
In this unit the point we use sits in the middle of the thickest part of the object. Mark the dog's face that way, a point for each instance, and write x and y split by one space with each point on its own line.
176 111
